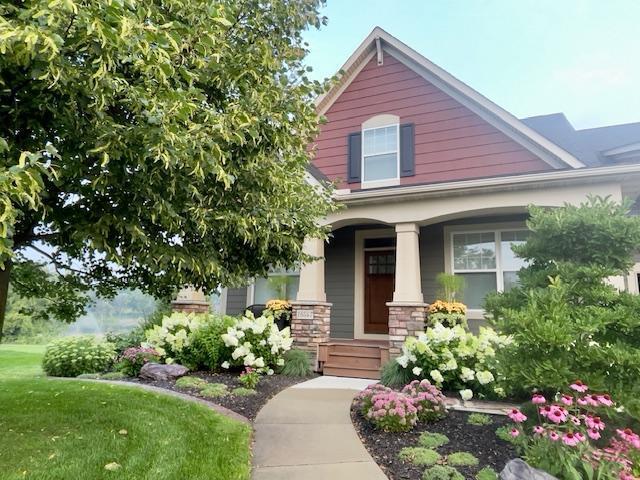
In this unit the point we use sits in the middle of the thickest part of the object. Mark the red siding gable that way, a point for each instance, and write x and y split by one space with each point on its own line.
451 142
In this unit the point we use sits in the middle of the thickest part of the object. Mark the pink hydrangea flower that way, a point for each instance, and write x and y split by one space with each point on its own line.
517 416
538 399
578 386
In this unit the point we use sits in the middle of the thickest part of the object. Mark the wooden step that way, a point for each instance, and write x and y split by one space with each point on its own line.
354 372
357 349
348 360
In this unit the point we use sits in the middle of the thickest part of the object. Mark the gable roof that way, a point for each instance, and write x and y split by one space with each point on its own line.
594 146
379 40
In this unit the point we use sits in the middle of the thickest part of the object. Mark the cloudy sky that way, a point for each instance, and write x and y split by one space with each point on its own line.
532 57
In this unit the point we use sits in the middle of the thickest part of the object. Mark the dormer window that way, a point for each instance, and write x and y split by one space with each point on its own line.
381 152
380 156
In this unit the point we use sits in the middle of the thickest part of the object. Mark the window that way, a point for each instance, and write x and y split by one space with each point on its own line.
487 262
280 284
380 155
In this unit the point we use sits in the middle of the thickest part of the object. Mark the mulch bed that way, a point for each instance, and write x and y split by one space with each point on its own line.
248 406
480 441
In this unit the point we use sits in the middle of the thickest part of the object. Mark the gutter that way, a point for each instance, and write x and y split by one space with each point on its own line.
485 183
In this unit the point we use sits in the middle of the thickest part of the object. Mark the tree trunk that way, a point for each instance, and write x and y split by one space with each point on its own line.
4 292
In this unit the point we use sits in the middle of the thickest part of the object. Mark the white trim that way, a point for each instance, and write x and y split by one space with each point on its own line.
484 183
386 182
251 290
223 301
496 229
630 148
489 111
631 284
358 290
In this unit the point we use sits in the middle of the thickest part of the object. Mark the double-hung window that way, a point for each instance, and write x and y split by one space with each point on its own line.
280 284
486 261
380 156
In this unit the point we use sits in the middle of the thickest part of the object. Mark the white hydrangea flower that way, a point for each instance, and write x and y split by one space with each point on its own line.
259 362
416 371
466 394
466 374
485 377
436 376
225 365
280 362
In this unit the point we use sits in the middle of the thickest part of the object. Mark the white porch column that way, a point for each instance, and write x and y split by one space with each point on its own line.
311 287
408 287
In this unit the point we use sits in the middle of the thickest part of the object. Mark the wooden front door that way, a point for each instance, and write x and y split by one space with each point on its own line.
380 270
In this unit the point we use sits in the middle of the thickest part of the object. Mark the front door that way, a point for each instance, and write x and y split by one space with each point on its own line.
380 270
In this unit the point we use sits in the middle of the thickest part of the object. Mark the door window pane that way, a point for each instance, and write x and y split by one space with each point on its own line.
477 286
474 251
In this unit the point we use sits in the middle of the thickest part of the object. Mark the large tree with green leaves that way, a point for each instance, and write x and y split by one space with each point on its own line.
154 143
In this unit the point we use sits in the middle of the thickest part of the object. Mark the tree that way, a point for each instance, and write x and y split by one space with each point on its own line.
156 143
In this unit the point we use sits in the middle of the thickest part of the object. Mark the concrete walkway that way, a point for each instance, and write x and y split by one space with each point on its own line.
305 432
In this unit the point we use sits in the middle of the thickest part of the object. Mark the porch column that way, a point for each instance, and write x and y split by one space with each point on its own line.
190 300
407 311
310 316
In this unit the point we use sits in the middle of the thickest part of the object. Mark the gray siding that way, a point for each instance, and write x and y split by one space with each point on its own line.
339 281
236 300
431 259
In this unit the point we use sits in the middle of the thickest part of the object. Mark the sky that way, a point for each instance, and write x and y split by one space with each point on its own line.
579 57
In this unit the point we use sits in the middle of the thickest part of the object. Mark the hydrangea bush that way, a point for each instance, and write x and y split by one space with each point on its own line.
387 409
73 356
455 359
568 433
172 336
427 398
257 343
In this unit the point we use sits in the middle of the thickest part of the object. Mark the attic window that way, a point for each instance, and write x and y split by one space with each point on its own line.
380 154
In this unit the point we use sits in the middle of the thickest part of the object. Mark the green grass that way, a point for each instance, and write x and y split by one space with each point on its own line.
62 429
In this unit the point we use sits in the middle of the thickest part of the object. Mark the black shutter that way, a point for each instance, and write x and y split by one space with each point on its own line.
407 150
355 157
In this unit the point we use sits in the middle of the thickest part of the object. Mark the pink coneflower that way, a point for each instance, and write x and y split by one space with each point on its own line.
605 400
544 411
517 416
575 420
631 437
582 402
594 422
578 386
538 429
514 432
580 436
557 415
566 399
554 436
538 399
592 400
593 433
570 439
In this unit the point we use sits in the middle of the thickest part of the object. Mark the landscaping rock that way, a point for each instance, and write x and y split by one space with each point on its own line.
520 470
162 373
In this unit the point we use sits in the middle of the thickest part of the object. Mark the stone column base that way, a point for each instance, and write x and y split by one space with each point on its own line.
310 324
192 306
405 320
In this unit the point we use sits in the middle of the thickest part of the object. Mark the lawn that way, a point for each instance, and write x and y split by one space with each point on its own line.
63 429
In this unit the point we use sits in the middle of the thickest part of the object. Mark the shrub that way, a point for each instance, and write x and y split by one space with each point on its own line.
442 472
479 419
191 382
487 473
419 456
567 433
448 313
213 390
243 392
296 363
433 440
206 349
122 341
172 337
280 310
393 375
249 378
257 343
461 459
387 409
133 359
427 399
72 356
566 320
454 358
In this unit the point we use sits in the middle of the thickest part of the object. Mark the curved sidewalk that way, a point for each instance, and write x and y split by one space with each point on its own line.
305 432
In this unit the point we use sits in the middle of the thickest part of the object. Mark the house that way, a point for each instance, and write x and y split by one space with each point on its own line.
434 177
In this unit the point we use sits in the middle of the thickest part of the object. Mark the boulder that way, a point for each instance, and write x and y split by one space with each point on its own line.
162 373
518 469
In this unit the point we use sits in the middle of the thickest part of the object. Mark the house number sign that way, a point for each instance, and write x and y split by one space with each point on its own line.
304 314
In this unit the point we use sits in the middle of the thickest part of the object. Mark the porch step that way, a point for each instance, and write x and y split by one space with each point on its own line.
352 358
354 372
